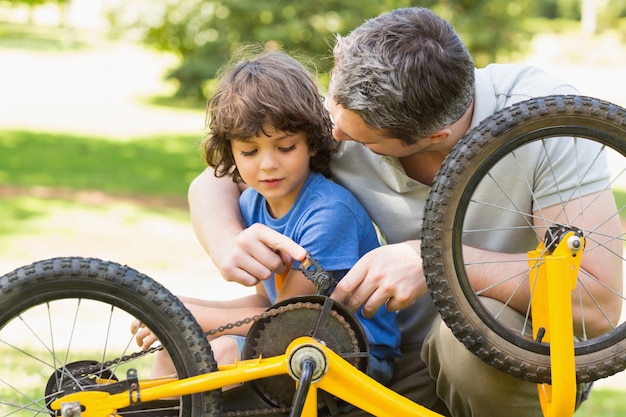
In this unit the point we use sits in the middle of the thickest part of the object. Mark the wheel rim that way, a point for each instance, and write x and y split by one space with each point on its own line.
459 230
65 331
456 199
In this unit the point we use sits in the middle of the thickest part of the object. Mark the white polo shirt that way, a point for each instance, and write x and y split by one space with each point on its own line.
396 202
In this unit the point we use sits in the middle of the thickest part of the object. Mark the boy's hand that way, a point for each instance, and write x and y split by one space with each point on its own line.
143 336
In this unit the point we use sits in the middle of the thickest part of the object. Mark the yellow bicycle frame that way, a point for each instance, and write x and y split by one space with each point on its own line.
336 376
552 278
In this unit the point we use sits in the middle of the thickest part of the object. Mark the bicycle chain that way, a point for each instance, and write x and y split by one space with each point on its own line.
273 312
256 412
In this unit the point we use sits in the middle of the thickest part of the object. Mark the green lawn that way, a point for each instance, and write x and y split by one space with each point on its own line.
604 403
159 165
65 164
40 38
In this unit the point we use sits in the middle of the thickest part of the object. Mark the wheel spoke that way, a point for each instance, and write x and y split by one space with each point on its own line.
549 162
65 327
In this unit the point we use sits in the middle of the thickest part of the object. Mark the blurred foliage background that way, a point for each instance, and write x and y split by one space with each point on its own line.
203 34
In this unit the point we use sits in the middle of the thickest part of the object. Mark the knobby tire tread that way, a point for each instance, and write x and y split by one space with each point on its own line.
497 134
128 289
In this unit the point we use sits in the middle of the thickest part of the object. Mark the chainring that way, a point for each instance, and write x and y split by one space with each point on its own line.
316 316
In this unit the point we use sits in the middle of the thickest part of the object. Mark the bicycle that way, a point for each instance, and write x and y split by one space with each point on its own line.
61 302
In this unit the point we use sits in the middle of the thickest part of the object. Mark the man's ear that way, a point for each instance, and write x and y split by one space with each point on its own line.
441 135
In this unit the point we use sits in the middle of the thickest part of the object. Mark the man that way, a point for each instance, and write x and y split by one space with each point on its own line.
403 92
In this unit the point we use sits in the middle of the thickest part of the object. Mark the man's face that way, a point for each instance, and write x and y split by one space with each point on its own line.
348 125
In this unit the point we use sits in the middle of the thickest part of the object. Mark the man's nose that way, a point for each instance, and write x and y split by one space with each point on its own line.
339 135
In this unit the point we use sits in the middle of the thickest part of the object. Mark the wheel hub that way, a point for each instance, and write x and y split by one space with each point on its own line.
75 377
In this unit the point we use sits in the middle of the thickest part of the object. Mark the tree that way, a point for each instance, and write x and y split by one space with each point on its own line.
491 29
204 34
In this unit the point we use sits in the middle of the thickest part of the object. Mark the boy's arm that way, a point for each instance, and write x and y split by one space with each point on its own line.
212 314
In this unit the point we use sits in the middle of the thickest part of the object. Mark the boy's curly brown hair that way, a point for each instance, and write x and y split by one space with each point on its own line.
269 89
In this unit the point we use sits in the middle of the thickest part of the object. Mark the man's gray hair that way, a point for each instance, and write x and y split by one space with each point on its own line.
406 72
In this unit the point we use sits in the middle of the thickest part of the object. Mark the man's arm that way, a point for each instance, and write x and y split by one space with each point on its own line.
243 255
392 275
214 210
600 276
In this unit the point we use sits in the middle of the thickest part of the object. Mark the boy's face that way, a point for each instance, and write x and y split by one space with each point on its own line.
275 165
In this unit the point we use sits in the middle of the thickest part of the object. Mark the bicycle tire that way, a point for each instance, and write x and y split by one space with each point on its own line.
62 313
452 204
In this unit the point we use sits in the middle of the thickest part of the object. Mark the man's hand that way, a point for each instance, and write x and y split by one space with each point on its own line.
390 275
255 253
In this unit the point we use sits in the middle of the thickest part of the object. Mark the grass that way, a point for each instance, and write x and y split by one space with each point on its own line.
46 178
160 165
43 218
41 38
620 201
605 403
19 215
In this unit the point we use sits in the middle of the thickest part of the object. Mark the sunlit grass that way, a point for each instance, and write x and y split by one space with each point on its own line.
604 403
25 215
46 173
620 200
42 38
159 165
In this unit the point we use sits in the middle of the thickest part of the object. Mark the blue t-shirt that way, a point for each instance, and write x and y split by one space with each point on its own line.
329 222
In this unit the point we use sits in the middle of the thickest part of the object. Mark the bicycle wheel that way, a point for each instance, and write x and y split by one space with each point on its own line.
558 160
65 327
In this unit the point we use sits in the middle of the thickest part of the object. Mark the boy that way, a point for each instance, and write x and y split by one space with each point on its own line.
269 129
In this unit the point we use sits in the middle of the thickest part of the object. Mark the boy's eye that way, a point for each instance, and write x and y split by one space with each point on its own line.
248 153
287 149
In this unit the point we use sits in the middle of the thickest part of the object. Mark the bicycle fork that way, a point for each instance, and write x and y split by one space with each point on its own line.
553 276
